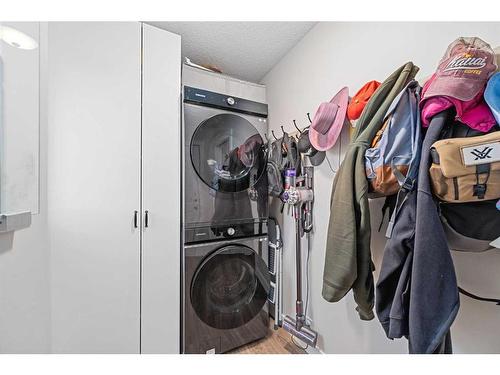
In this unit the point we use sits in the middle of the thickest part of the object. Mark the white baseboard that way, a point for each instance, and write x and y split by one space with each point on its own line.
311 350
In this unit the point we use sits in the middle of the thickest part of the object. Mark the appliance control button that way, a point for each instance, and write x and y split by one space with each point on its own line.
230 101
230 231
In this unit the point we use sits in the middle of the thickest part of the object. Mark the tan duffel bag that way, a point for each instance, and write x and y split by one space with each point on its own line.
466 169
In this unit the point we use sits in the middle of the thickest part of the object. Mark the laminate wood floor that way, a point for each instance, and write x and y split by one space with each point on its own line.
276 342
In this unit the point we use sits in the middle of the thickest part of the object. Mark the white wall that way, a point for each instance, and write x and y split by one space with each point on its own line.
24 261
333 55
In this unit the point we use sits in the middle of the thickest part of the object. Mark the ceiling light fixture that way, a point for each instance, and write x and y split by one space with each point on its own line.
16 38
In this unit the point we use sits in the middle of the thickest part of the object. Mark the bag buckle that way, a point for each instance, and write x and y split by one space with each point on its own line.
408 185
479 190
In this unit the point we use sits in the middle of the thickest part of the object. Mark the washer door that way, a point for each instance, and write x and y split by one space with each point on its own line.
228 153
230 287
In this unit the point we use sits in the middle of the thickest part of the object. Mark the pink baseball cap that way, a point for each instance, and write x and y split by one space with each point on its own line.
328 121
464 70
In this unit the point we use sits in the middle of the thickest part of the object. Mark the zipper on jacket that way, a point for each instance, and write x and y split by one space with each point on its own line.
455 185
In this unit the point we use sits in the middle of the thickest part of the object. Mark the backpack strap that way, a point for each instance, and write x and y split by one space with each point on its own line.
478 298
408 182
293 154
275 153
413 91
401 198
389 204
480 187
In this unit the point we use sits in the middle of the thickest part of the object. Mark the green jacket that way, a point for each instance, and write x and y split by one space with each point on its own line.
348 263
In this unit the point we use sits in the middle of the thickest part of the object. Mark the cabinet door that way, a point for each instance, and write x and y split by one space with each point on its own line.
94 185
160 331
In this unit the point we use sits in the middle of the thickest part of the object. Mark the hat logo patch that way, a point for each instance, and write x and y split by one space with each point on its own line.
465 62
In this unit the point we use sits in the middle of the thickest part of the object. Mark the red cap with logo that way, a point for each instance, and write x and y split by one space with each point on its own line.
464 70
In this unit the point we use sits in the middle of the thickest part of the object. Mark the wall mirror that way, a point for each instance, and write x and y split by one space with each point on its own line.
19 116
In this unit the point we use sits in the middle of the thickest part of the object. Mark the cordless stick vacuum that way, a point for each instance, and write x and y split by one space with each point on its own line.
299 194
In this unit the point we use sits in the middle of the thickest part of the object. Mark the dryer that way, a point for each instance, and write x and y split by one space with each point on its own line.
225 180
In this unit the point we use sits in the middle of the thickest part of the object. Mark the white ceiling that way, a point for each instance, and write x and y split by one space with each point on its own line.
247 50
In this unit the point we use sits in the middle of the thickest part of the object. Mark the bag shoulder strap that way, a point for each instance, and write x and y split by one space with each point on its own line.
275 153
293 153
407 183
275 185
412 91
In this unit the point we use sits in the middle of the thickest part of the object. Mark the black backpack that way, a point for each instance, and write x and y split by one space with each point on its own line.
470 226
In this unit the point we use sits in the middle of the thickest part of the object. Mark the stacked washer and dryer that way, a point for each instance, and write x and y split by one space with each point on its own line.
225 253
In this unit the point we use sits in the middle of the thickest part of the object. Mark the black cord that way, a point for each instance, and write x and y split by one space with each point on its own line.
340 156
478 298
330 164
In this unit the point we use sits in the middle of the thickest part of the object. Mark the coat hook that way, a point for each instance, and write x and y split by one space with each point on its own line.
283 130
272 132
296 127
309 117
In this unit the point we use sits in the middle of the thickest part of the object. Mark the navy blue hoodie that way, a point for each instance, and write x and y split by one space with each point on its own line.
417 293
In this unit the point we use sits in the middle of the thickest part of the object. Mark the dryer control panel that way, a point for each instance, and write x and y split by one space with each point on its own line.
232 103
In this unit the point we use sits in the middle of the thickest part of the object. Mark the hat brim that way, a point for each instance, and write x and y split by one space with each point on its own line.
317 158
460 88
354 110
324 142
492 96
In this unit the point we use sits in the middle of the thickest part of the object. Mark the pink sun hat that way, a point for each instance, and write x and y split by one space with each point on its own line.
328 121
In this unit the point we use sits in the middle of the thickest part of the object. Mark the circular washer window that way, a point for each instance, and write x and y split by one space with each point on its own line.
230 287
227 153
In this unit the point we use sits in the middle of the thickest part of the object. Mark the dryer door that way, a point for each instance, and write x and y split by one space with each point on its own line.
228 153
230 287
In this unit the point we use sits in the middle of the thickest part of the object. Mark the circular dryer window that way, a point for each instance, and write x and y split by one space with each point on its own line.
228 153
230 287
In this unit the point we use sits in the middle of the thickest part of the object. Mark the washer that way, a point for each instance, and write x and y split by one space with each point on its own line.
225 180
225 294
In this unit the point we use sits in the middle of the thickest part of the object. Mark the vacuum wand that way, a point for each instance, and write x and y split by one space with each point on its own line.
299 194
299 304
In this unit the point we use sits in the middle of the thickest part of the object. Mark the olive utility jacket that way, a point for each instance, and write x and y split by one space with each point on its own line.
348 263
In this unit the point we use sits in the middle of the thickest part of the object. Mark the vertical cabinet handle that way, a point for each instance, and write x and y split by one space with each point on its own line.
146 219
136 213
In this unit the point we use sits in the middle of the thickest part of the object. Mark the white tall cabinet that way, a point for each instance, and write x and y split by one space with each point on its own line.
161 169
113 154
